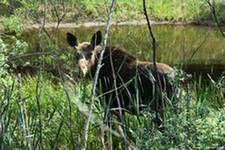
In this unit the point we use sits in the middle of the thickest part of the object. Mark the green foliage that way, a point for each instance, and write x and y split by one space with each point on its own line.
20 46
197 125
11 46
187 130
89 10
45 105
12 24
5 78
10 40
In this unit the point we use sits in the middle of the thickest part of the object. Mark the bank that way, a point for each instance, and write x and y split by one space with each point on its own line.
94 13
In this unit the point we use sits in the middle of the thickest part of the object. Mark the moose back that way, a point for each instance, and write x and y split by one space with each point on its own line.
136 81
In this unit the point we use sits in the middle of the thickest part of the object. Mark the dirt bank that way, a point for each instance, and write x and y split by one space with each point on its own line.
114 23
134 22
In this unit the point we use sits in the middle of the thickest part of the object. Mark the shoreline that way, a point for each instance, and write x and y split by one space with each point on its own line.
124 23
118 23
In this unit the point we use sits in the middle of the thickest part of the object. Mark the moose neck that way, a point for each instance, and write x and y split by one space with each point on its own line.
114 56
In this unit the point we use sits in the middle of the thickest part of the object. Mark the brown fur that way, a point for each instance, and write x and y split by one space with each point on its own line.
136 80
127 68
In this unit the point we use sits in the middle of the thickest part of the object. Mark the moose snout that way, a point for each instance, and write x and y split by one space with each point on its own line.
84 66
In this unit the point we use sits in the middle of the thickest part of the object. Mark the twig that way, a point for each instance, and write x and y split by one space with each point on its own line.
11 58
39 142
56 13
157 83
213 11
151 34
94 86
197 49
43 23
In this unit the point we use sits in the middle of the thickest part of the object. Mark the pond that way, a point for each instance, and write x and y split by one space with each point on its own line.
199 49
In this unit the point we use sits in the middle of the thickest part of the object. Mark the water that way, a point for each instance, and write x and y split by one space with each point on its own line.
190 46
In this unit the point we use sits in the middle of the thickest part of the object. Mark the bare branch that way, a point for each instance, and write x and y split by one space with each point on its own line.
213 11
151 34
194 51
58 16
44 22
157 87
94 86
28 55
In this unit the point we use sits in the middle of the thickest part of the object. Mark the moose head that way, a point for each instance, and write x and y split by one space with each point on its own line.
86 52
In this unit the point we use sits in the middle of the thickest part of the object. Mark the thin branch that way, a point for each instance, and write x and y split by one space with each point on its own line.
213 11
151 34
58 16
28 55
44 22
94 86
197 49
38 90
157 85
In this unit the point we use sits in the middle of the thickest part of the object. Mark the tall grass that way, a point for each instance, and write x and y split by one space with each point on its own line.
52 110
199 122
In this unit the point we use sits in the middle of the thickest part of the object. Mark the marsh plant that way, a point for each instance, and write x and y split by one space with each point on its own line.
36 113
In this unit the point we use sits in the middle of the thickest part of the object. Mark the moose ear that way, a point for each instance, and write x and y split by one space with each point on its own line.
71 39
96 39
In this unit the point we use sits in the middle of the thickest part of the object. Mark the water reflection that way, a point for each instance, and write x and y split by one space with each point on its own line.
189 46
175 44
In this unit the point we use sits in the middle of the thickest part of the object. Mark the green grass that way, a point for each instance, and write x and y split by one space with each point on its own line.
48 122
32 11
46 116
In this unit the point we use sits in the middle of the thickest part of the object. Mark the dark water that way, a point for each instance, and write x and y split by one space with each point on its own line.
197 48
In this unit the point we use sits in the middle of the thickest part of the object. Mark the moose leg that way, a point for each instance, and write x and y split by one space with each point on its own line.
106 134
160 119
102 139
107 123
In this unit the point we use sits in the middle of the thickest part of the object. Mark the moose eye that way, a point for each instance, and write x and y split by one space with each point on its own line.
77 56
89 55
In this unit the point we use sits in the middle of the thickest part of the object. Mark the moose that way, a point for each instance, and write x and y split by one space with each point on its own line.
136 81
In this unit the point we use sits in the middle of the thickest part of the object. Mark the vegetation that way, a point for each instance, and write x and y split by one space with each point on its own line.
36 113
43 111
33 11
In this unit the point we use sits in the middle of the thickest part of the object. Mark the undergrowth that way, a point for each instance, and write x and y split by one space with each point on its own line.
35 112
